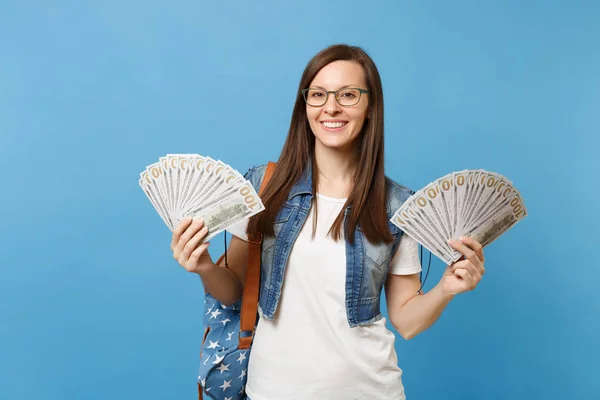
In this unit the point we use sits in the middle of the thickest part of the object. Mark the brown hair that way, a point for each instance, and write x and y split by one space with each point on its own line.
368 196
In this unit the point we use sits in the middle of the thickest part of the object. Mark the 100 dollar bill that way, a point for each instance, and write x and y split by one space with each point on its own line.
224 212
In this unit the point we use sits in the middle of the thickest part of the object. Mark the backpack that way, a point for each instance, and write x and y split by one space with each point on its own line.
229 331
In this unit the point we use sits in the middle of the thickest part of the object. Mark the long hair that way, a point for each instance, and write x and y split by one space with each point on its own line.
367 199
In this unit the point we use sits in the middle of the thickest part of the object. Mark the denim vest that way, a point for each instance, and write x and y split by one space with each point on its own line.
367 264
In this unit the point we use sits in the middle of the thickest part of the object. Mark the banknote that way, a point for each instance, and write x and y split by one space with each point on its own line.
228 209
145 183
198 186
419 232
489 229
474 203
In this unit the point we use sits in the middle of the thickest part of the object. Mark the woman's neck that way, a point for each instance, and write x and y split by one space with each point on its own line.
336 169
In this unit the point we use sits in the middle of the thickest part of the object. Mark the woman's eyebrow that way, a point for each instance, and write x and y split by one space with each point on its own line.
341 87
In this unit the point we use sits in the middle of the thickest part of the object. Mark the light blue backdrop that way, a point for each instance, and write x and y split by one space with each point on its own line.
94 306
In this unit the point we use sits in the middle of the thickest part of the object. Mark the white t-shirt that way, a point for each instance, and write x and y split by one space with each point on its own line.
308 350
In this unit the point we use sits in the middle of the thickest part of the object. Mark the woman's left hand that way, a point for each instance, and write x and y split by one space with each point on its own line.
465 274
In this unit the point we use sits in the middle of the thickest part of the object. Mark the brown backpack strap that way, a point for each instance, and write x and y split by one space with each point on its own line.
251 287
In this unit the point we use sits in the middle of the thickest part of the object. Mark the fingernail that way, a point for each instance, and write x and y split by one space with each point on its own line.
450 241
462 238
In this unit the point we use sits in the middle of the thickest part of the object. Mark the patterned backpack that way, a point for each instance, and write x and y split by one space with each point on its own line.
229 331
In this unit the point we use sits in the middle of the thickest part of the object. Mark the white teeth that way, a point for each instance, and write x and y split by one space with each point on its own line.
333 124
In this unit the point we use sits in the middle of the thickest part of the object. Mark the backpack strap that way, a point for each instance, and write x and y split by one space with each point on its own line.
251 286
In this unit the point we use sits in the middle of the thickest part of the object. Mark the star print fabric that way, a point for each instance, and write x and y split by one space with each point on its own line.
223 367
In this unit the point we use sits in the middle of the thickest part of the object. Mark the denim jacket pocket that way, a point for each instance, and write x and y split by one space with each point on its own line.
379 254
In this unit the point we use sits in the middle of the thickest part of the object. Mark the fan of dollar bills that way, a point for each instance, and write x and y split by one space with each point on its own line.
474 203
184 185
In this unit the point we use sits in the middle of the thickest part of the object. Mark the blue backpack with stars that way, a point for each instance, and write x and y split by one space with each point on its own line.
229 331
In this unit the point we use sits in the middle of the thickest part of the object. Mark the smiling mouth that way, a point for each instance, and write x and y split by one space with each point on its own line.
334 125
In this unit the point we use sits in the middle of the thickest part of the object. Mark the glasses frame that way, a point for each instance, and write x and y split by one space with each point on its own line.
335 93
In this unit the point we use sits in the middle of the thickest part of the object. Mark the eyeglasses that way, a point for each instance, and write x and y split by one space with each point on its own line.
345 96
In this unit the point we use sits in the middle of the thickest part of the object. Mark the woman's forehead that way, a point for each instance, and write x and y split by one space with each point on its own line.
339 74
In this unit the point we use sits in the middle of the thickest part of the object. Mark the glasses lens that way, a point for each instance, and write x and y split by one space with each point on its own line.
348 97
315 97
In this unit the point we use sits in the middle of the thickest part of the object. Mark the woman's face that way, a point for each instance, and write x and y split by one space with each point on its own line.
333 125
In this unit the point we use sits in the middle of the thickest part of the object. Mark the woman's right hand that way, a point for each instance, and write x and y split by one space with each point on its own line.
189 248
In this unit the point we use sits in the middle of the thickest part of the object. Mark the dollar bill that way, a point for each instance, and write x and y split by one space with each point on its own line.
227 178
228 210
460 189
215 187
412 228
469 195
155 200
171 174
488 230
416 213
489 182
446 185
207 176
188 176
475 203
438 207
180 185
166 183
196 179
427 211
477 191
155 177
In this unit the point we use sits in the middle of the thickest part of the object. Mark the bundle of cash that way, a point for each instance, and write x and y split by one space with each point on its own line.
191 185
473 203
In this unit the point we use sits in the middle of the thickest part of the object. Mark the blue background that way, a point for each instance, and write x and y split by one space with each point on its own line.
94 307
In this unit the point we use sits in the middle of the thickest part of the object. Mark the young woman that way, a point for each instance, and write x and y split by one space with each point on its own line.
329 249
